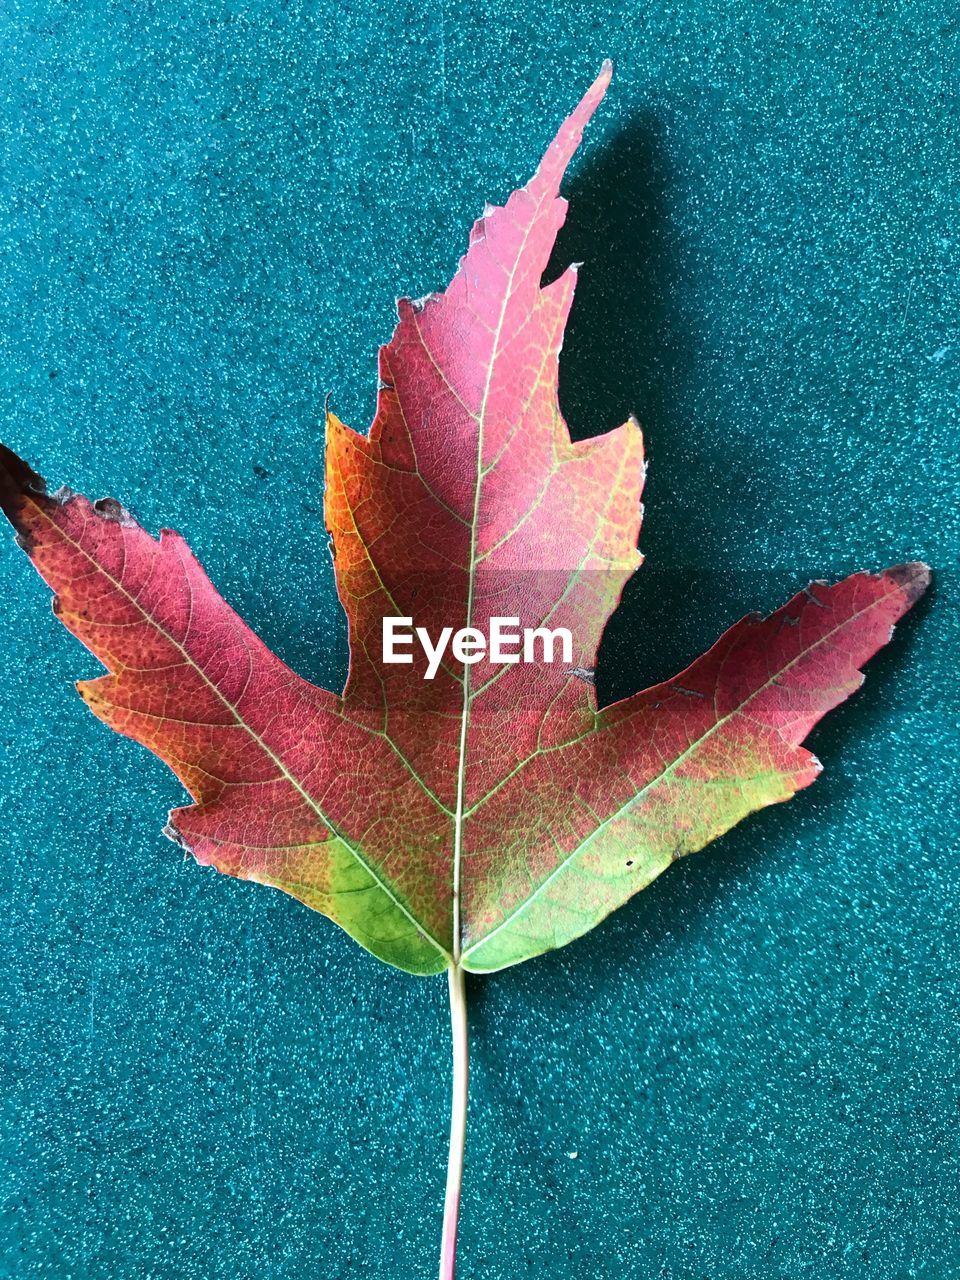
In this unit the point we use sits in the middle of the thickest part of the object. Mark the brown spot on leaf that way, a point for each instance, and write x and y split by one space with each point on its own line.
912 578
111 509
586 674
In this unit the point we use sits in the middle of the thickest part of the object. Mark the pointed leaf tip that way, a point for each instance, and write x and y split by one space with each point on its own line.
570 134
16 478
593 96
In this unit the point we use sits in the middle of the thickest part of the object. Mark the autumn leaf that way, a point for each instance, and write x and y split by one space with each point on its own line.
490 813
452 813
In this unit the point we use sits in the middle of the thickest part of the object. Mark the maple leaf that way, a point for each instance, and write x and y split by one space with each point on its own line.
490 813
479 817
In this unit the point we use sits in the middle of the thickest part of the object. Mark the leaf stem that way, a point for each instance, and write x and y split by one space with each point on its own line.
458 1121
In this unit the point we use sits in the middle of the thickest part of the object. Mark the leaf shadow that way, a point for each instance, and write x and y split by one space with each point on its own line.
631 347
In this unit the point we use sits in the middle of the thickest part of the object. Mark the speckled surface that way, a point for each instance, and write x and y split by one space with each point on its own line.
207 211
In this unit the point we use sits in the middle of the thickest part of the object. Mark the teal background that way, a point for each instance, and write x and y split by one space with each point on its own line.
206 212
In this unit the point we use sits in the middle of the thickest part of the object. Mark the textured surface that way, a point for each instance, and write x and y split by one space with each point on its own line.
756 1063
